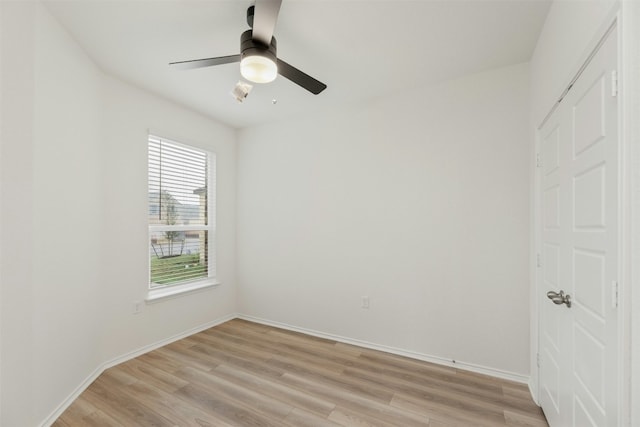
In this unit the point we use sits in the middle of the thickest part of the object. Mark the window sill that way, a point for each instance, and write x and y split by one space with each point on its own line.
164 293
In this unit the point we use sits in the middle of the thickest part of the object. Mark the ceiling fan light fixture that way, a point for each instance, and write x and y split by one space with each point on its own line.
258 62
258 68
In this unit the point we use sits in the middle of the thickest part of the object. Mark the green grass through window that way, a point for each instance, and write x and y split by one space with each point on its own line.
181 268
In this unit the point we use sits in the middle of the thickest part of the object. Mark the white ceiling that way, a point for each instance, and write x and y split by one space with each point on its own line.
360 49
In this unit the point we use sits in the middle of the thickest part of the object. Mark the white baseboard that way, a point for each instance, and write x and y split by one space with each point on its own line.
533 387
123 358
498 373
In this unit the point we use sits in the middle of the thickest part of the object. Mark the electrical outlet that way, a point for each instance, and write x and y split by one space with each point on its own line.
365 302
138 307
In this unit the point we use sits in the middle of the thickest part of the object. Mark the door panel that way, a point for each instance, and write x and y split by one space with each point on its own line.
589 363
594 170
582 418
589 194
589 117
551 152
552 207
579 238
550 381
589 275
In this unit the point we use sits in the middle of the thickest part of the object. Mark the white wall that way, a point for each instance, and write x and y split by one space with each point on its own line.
16 308
74 209
419 201
67 216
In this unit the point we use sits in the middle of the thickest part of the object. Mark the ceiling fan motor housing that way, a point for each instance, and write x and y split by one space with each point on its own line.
251 47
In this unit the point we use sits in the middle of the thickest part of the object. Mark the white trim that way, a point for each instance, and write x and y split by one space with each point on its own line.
123 358
630 198
497 373
534 383
624 232
161 227
191 143
162 293
533 390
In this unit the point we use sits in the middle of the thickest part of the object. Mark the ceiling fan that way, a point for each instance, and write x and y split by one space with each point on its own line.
258 59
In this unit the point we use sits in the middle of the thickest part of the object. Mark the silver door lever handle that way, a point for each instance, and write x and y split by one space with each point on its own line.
559 298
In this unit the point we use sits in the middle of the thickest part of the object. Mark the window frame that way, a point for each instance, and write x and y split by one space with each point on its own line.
161 292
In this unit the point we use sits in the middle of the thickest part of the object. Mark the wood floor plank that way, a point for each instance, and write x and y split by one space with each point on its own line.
99 419
349 418
176 410
60 422
348 349
301 418
515 419
76 412
240 350
257 366
436 423
222 387
166 363
520 395
303 401
355 402
444 413
231 411
331 378
440 392
242 373
120 376
189 357
429 371
323 355
409 385
446 403
107 397
152 375
405 363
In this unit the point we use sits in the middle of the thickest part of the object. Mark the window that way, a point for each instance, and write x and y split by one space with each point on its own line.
181 214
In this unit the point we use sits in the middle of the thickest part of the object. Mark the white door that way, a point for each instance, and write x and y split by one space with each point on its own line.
579 188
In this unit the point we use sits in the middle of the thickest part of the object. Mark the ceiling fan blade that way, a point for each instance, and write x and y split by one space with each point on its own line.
264 20
298 77
206 62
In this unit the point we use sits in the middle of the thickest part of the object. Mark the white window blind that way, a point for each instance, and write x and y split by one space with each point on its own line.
181 213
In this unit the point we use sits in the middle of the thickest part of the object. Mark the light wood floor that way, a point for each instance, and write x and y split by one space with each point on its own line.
246 374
